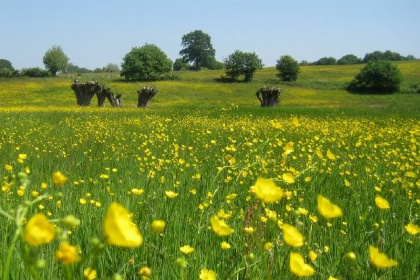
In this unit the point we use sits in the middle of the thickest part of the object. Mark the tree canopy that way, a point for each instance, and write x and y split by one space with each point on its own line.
4 63
242 63
288 68
147 63
55 60
198 49
349 59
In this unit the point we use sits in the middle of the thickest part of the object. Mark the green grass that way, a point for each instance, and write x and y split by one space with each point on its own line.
197 126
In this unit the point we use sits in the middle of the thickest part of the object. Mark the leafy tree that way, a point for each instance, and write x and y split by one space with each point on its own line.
378 76
388 55
288 68
198 49
242 63
110 68
349 59
55 60
71 68
181 65
6 64
146 63
35 72
326 61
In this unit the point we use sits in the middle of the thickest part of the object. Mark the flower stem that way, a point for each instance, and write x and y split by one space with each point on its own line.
9 255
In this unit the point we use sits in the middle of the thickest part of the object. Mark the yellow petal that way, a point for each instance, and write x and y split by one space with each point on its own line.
330 155
220 227
39 231
298 266
381 203
292 236
380 260
328 209
119 228
412 229
288 178
267 191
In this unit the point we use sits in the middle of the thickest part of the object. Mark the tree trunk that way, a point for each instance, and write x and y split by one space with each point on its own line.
145 95
268 97
85 91
106 93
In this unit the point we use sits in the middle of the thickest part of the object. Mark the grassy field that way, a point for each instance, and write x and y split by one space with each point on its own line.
239 187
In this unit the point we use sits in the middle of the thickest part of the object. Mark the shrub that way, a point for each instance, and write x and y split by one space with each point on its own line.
288 68
241 63
378 76
35 72
6 72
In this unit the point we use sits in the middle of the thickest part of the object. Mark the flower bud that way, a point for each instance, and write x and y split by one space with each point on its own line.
350 257
71 221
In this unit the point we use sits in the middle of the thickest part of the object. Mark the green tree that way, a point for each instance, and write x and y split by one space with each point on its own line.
55 60
6 64
147 63
181 65
378 76
242 63
288 68
349 59
326 61
198 49
111 67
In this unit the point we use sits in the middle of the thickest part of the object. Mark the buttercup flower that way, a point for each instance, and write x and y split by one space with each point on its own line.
158 226
220 227
292 236
67 253
90 273
298 266
119 228
58 178
328 209
187 249
380 260
39 231
267 191
288 178
207 274
381 203
224 245
412 229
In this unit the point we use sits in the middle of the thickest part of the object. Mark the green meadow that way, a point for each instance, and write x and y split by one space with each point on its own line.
239 187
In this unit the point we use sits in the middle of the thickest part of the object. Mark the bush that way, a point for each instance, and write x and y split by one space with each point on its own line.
35 72
288 68
378 76
6 72
241 63
147 63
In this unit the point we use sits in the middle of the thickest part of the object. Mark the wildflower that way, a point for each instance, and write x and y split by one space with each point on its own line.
380 260
137 191
39 231
330 155
292 236
312 255
288 148
58 178
8 167
381 203
267 191
350 257
82 201
158 226
119 228
412 229
267 246
224 245
207 274
187 249
90 273
220 227
298 266
327 209
296 122
249 230
288 178
145 271
171 194
67 253
332 278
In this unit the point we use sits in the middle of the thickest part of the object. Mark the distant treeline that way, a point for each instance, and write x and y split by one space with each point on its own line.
352 59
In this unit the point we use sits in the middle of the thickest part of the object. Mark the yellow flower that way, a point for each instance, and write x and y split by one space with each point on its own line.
224 245
67 253
119 228
39 231
412 229
380 260
292 236
312 255
89 273
249 230
137 191
289 148
267 246
220 227
58 178
207 274
158 226
288 178
296 122
298 266
328 209
332 278
267 191
330 155
8 167
145 271
187 249
381 203
171 194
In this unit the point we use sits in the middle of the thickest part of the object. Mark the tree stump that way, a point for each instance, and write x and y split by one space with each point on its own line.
269 97
106 93
145 95
85 91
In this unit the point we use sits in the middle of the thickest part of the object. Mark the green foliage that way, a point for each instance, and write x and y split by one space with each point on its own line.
288 68
242 63
35 72
6 72
349 59
55 60
326 61
147 63
378 76
6 64
111 68
387 55
76 69
198 49
181 65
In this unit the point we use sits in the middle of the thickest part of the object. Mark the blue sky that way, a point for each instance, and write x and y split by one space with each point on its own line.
94 33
